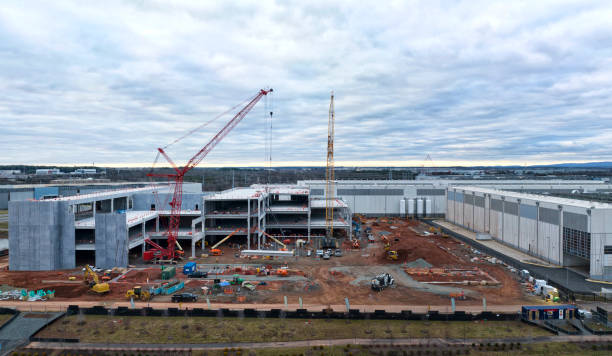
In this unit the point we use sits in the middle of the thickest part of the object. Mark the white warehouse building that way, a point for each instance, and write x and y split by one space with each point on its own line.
565 232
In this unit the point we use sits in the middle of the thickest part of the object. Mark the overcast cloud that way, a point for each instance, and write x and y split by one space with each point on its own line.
463 81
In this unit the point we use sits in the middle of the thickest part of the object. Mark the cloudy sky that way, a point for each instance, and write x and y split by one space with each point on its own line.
467 82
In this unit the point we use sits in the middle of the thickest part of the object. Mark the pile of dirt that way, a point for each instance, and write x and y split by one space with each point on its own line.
418 263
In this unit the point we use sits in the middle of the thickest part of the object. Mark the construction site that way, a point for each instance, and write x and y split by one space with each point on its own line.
382 244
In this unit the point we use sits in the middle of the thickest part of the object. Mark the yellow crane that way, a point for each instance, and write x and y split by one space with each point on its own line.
329 172
95 285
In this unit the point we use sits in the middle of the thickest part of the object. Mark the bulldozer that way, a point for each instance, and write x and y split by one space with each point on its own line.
138 293
392 255
94 284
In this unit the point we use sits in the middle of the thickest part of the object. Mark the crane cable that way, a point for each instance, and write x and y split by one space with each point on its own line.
188 133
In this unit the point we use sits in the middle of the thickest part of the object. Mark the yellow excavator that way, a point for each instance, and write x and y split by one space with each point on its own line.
138 293
94 284
392 255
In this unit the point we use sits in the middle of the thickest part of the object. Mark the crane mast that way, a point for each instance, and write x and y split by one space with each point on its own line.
177 197
329 172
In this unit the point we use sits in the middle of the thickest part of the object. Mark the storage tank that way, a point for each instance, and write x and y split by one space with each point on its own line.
419 209
410 207
402 207
428 207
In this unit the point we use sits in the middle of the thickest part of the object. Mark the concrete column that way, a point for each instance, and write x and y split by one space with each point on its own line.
248 224
144 235
309 219
157 224
112 205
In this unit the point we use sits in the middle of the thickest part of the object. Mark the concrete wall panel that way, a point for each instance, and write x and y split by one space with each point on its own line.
111 240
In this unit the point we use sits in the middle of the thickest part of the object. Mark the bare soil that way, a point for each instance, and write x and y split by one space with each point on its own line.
325 284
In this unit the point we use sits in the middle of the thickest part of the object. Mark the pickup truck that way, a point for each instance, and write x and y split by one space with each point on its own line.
184 297
198 274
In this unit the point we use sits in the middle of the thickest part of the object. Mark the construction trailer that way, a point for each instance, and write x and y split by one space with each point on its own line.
548 312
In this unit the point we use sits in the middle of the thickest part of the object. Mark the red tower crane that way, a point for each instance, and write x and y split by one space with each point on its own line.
170 253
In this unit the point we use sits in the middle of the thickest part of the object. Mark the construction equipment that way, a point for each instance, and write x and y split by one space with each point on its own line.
189 268
216 252
236 280
329 173
282 272
179 173
214 247
248 285
94 284
272 237
382 281
392 255
138 293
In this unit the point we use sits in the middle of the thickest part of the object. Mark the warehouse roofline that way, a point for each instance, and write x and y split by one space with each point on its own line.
537 197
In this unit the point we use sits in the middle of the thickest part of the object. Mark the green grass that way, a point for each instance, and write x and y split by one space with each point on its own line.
3 212
102 329
4 225
4 318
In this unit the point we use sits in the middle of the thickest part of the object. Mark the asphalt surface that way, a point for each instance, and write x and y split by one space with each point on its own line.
562 278
18 331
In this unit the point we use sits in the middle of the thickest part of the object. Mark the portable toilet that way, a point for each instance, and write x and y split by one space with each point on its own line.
168 272
189 268
539 286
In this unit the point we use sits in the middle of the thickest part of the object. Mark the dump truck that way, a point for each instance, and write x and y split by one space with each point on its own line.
382 281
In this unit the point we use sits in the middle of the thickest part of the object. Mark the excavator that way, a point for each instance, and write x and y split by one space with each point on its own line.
94 284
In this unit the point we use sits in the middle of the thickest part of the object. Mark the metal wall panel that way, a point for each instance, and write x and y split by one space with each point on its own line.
317 191
497 205
479 201
510 208
576 221
529 211
4 197
459 197
20 196
468 199
432 192
550 216
342 192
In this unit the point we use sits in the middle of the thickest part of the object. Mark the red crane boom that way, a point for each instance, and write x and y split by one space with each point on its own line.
177 198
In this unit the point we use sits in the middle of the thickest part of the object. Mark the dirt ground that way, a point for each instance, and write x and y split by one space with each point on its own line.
325 282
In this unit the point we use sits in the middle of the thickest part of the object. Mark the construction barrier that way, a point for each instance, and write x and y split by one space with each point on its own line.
299 313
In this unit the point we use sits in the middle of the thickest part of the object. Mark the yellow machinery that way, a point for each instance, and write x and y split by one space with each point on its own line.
138 293
94 285
392 255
